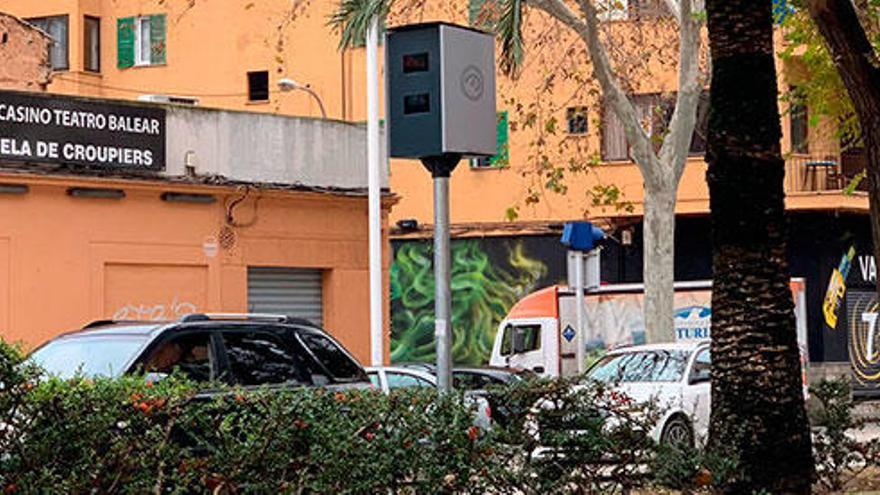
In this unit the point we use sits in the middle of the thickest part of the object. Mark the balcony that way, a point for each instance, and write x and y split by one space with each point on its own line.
817 172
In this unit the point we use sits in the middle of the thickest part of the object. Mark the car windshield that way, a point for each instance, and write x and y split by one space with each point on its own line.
641 366
88 356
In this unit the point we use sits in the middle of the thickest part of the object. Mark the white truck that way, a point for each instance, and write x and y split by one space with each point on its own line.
539 332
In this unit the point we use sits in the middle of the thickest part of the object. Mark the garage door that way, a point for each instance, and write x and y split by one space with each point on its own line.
286 291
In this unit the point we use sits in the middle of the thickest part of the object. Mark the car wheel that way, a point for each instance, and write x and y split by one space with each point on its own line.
677 433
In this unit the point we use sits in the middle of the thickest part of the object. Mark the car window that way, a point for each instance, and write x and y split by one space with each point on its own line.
402 380
89 356
258 358
471 381
520 338
334 359
702 365
190 354
374 379
641 366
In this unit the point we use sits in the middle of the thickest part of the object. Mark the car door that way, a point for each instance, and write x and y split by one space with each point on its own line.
260 357
522 347
697 392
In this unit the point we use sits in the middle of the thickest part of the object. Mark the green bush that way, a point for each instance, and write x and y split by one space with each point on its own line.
840 457
129 436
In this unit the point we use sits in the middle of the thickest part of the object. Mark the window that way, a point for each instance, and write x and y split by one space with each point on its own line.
331 357
577 120
374 379
521 338
92 44
472 381
57 27
190 354
799 121
141 41
258 85
402 380
257 358
502 147
702 370
655 112
652 366
88 356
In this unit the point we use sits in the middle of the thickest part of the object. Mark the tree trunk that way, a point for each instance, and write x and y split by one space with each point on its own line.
658 260
758 414
857 64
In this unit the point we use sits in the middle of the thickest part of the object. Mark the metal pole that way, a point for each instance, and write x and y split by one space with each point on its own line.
579 340
374 194
442 291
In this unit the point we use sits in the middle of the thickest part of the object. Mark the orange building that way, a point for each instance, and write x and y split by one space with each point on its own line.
138 211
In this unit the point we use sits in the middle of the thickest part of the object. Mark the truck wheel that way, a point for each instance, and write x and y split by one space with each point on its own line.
677 433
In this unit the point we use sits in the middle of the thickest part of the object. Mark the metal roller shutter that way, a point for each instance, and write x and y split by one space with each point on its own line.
286 291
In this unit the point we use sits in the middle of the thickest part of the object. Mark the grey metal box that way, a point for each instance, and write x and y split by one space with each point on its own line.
441 91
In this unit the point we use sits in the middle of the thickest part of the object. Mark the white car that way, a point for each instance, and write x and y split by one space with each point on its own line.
389 378
675 376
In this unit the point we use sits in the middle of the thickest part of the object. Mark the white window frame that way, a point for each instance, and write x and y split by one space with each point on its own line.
141 59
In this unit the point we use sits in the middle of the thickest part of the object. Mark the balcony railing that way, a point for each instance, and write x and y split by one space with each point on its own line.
816 172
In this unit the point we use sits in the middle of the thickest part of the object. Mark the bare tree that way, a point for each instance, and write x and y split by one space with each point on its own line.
661 169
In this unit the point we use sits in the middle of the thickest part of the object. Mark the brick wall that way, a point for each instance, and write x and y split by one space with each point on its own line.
24 55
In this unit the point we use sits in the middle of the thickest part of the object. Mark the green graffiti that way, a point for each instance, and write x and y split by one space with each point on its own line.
482 294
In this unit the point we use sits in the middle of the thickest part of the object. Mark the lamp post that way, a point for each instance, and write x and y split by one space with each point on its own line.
286 85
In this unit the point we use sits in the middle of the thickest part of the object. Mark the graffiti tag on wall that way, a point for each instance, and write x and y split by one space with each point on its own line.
173 310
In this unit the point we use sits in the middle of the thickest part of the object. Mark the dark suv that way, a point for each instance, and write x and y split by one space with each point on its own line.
245 350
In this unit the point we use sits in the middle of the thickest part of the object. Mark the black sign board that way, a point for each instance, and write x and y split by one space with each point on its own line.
56 129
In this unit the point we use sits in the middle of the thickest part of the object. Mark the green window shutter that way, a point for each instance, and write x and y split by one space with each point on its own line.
125 42
502 156
157 39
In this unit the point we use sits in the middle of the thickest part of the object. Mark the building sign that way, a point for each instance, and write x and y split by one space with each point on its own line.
60 130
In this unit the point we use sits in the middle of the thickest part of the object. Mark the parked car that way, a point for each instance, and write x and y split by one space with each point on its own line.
390 378
475 378
676 376
243 350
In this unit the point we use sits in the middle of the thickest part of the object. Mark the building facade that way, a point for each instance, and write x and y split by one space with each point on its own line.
133 211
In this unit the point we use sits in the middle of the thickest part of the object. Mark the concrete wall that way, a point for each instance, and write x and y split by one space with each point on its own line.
267 148
24 55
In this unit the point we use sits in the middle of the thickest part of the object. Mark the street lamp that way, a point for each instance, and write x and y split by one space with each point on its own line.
286 85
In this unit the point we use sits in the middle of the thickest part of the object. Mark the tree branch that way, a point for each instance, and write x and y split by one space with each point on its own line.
587 29
681 127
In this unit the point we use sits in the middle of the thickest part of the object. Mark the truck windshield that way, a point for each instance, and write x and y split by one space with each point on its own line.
641 366
88 356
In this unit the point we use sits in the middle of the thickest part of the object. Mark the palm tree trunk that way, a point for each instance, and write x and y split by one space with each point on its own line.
758 414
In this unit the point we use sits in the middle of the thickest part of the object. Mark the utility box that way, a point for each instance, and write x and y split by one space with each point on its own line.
441 91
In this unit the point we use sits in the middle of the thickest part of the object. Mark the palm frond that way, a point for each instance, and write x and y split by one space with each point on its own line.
352 18
509 31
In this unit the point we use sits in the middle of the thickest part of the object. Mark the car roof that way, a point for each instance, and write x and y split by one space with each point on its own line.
686 345
117 328
401 369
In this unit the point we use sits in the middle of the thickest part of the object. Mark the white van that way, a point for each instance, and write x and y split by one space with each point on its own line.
539 332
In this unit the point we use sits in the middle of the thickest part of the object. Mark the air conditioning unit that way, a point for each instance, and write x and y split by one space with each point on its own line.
169 99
